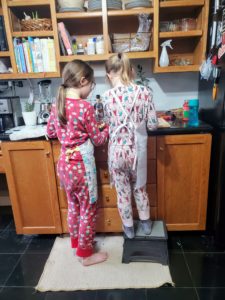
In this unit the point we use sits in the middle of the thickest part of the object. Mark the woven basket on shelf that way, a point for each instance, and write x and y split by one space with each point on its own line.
36 24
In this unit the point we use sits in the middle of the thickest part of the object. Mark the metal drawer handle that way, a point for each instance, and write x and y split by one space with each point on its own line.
108 222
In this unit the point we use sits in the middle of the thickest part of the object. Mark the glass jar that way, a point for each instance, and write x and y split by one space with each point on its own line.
188 24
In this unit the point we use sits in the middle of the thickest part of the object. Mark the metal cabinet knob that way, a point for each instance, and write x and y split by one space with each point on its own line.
161 148
108 222
47 154
105 174
107 198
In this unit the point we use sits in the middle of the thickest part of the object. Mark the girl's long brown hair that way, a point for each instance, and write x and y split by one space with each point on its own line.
120 63
72 74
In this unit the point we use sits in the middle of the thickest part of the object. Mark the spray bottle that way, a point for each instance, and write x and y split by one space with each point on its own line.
164 58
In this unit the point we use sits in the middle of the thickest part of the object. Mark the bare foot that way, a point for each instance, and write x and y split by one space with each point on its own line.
95 258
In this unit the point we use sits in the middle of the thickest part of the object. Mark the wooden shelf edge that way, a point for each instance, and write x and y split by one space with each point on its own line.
83 57
31 3
182 3
180 34
130 12
4 53
132 55
29 75
78 15
32 33
174 69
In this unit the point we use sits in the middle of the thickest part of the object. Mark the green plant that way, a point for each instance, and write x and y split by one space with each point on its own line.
142 80
29 107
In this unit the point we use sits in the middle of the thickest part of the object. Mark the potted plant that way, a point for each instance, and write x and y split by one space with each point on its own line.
141 79
29 114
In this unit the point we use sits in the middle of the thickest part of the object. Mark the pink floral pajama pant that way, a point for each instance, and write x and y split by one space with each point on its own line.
121 169
81 213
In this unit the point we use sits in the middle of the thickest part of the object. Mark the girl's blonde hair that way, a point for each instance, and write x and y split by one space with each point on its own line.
120 63
72 74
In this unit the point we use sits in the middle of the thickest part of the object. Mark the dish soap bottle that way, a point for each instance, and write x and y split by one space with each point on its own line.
185 111
164 58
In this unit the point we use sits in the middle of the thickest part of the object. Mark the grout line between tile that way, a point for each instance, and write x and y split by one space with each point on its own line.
21 255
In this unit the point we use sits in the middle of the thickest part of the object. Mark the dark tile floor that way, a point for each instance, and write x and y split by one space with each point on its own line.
197 268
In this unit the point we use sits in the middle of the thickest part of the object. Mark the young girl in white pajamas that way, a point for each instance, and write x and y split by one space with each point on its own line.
128 109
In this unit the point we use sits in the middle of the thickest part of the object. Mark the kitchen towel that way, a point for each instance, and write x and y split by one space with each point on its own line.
63 271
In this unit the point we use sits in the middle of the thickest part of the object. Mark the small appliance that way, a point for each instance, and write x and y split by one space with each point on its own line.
10 113
44 114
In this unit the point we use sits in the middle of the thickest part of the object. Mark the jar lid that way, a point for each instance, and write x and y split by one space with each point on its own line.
193 102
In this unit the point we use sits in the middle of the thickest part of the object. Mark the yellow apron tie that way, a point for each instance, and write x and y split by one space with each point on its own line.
69 152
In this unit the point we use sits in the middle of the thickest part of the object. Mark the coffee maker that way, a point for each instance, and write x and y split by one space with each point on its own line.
10 113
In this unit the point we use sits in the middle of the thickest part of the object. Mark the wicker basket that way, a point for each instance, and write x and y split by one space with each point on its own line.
36 24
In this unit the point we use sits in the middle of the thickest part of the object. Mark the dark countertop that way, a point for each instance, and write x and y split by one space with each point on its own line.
176 128
179 127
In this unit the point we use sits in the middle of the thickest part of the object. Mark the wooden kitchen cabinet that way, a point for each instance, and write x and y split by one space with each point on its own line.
182 180
32 186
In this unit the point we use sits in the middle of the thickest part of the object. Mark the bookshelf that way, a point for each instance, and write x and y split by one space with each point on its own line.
190 44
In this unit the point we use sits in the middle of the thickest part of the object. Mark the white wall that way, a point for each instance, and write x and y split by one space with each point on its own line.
169 89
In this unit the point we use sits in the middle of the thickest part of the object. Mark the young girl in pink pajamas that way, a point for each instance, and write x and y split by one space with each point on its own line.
72 121
128 109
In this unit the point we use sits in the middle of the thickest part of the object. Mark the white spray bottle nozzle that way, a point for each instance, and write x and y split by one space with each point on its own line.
167 44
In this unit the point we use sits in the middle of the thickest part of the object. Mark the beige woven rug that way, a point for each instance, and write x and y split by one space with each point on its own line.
63 272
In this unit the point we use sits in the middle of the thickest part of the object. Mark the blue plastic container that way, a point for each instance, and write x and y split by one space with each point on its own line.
193 112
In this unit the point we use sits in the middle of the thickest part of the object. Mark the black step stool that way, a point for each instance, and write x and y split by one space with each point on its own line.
147 248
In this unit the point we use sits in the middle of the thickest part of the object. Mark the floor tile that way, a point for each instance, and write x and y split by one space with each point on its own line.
207 269
10 242
191 242
172 293
5 220
28 270
7 263
174 243
131 294
41 244
179 271
211 293
9 293
78 295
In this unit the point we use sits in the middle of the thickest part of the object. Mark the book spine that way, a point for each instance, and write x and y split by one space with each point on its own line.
65 39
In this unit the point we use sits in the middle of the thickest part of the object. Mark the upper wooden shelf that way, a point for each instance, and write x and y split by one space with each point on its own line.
29 75
130 12
96 57
28 3
4 53
32 33
174 69
79 15
182 3
180 34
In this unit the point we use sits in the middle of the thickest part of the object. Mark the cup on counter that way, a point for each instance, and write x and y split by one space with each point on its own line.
193 112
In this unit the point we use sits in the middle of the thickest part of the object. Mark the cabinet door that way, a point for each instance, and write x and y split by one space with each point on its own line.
32 187
182 179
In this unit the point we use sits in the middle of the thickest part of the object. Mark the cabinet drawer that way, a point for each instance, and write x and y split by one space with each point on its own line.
151 173
101 153
152 148
102 172
107 196
108 220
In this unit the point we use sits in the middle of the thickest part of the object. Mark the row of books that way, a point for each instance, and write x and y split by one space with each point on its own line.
3 40
34 55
